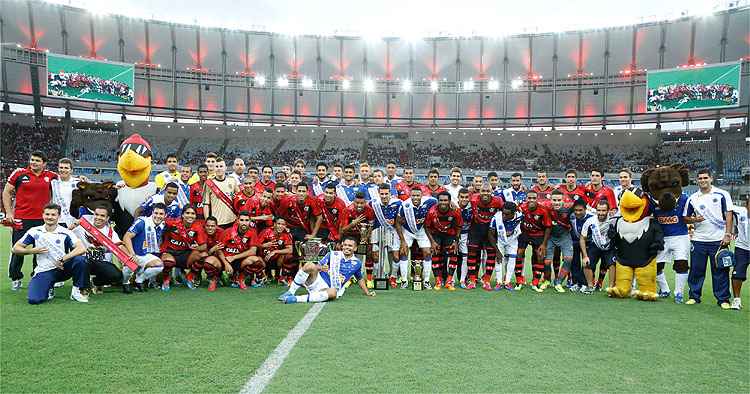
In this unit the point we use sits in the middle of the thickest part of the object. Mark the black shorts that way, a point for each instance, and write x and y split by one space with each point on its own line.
298 233
180 257
479 234
445 243
525 240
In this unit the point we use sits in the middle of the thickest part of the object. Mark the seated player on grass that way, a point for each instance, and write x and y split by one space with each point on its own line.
142 241
326 280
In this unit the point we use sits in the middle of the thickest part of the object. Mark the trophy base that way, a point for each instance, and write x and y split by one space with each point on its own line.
361 249
381 284
417 285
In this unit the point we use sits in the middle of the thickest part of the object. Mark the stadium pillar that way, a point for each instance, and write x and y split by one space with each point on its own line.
38 115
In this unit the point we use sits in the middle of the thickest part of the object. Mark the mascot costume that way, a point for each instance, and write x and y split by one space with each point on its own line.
637 238
134 166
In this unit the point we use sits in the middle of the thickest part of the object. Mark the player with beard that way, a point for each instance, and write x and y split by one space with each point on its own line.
353 217
211 262
196 192
279 193
332 211
302 214
410 228
595 246
517 191
183 242
454 186
443 224
320 180
240 250
597 191
484 206
404 188
348 187
558 238
535 226
238 170
261 210
386 211
277 251
504 232
432 188
571 190
542 188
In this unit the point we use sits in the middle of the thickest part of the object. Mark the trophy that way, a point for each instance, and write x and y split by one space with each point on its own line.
381 282
364 230
310 250
417 280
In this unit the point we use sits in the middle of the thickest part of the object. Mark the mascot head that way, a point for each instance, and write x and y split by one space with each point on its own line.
665 184
134 162
633 205
92 195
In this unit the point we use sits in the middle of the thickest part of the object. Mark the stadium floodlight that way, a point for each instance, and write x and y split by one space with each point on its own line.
307 83
368 85
260 80
516 83
434 85
469 85
346 84
282 82
493 84
406 85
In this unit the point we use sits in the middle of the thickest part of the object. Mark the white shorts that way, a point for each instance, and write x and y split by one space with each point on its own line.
145 259
320 285
508 249
421 237
676 247
390 240
463 243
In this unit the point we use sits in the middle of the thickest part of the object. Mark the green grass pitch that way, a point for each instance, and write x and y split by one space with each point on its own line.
400 341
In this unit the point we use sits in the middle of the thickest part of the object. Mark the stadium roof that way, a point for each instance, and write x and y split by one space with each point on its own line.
414 18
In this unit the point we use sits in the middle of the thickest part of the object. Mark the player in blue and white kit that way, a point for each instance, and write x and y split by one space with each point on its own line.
142 241
504 232
741 250
386 211
168 198
710 210
577 221
516 192
410 228
676 248
327 279
347 187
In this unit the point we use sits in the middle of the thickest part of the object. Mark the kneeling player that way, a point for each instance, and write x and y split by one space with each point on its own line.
211 262
326 280
183 244
276 249
142 241
240 250
504 232
443 224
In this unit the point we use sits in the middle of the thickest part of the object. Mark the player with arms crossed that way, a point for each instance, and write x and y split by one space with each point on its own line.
326 280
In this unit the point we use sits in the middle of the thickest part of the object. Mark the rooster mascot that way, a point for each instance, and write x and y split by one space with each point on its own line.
134 166
637 238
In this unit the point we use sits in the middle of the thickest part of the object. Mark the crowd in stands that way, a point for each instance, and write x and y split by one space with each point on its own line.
92 145
18 141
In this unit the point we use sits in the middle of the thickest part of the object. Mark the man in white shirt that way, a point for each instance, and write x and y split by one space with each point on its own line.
99 258
238 170
710 211
62 190
741 251
455 183
59 257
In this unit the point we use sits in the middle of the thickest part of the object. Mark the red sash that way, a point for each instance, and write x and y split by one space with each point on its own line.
220 194
107 243
298 212
332 227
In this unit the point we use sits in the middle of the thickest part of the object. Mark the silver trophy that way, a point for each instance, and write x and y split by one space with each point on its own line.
364 239
311 249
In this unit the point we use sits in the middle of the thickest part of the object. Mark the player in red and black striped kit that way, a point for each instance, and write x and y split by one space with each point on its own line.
535 226
483 206
355 215
240 250
196 193
182 245
443 224
276 248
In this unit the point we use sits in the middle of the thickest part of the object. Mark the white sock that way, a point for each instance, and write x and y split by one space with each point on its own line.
126 274
464 269
151 272
661 282
499 269
394 268
316 296
426 269
299 281
679 282
403 265
510 267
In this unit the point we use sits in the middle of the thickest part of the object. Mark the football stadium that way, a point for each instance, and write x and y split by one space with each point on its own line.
407 197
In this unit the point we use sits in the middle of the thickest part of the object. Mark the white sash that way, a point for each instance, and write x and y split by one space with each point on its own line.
708 215
374 192
376 206
182 196
500 228
334 269
411 220
596 235
574 222
317 188
152 240
341 193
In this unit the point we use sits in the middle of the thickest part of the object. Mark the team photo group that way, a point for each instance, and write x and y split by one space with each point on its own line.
321 227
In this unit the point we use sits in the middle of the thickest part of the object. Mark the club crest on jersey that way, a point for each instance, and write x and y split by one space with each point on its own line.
334 211
46 179
715 200
536 217
244 240
191 233
450 218
703 207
